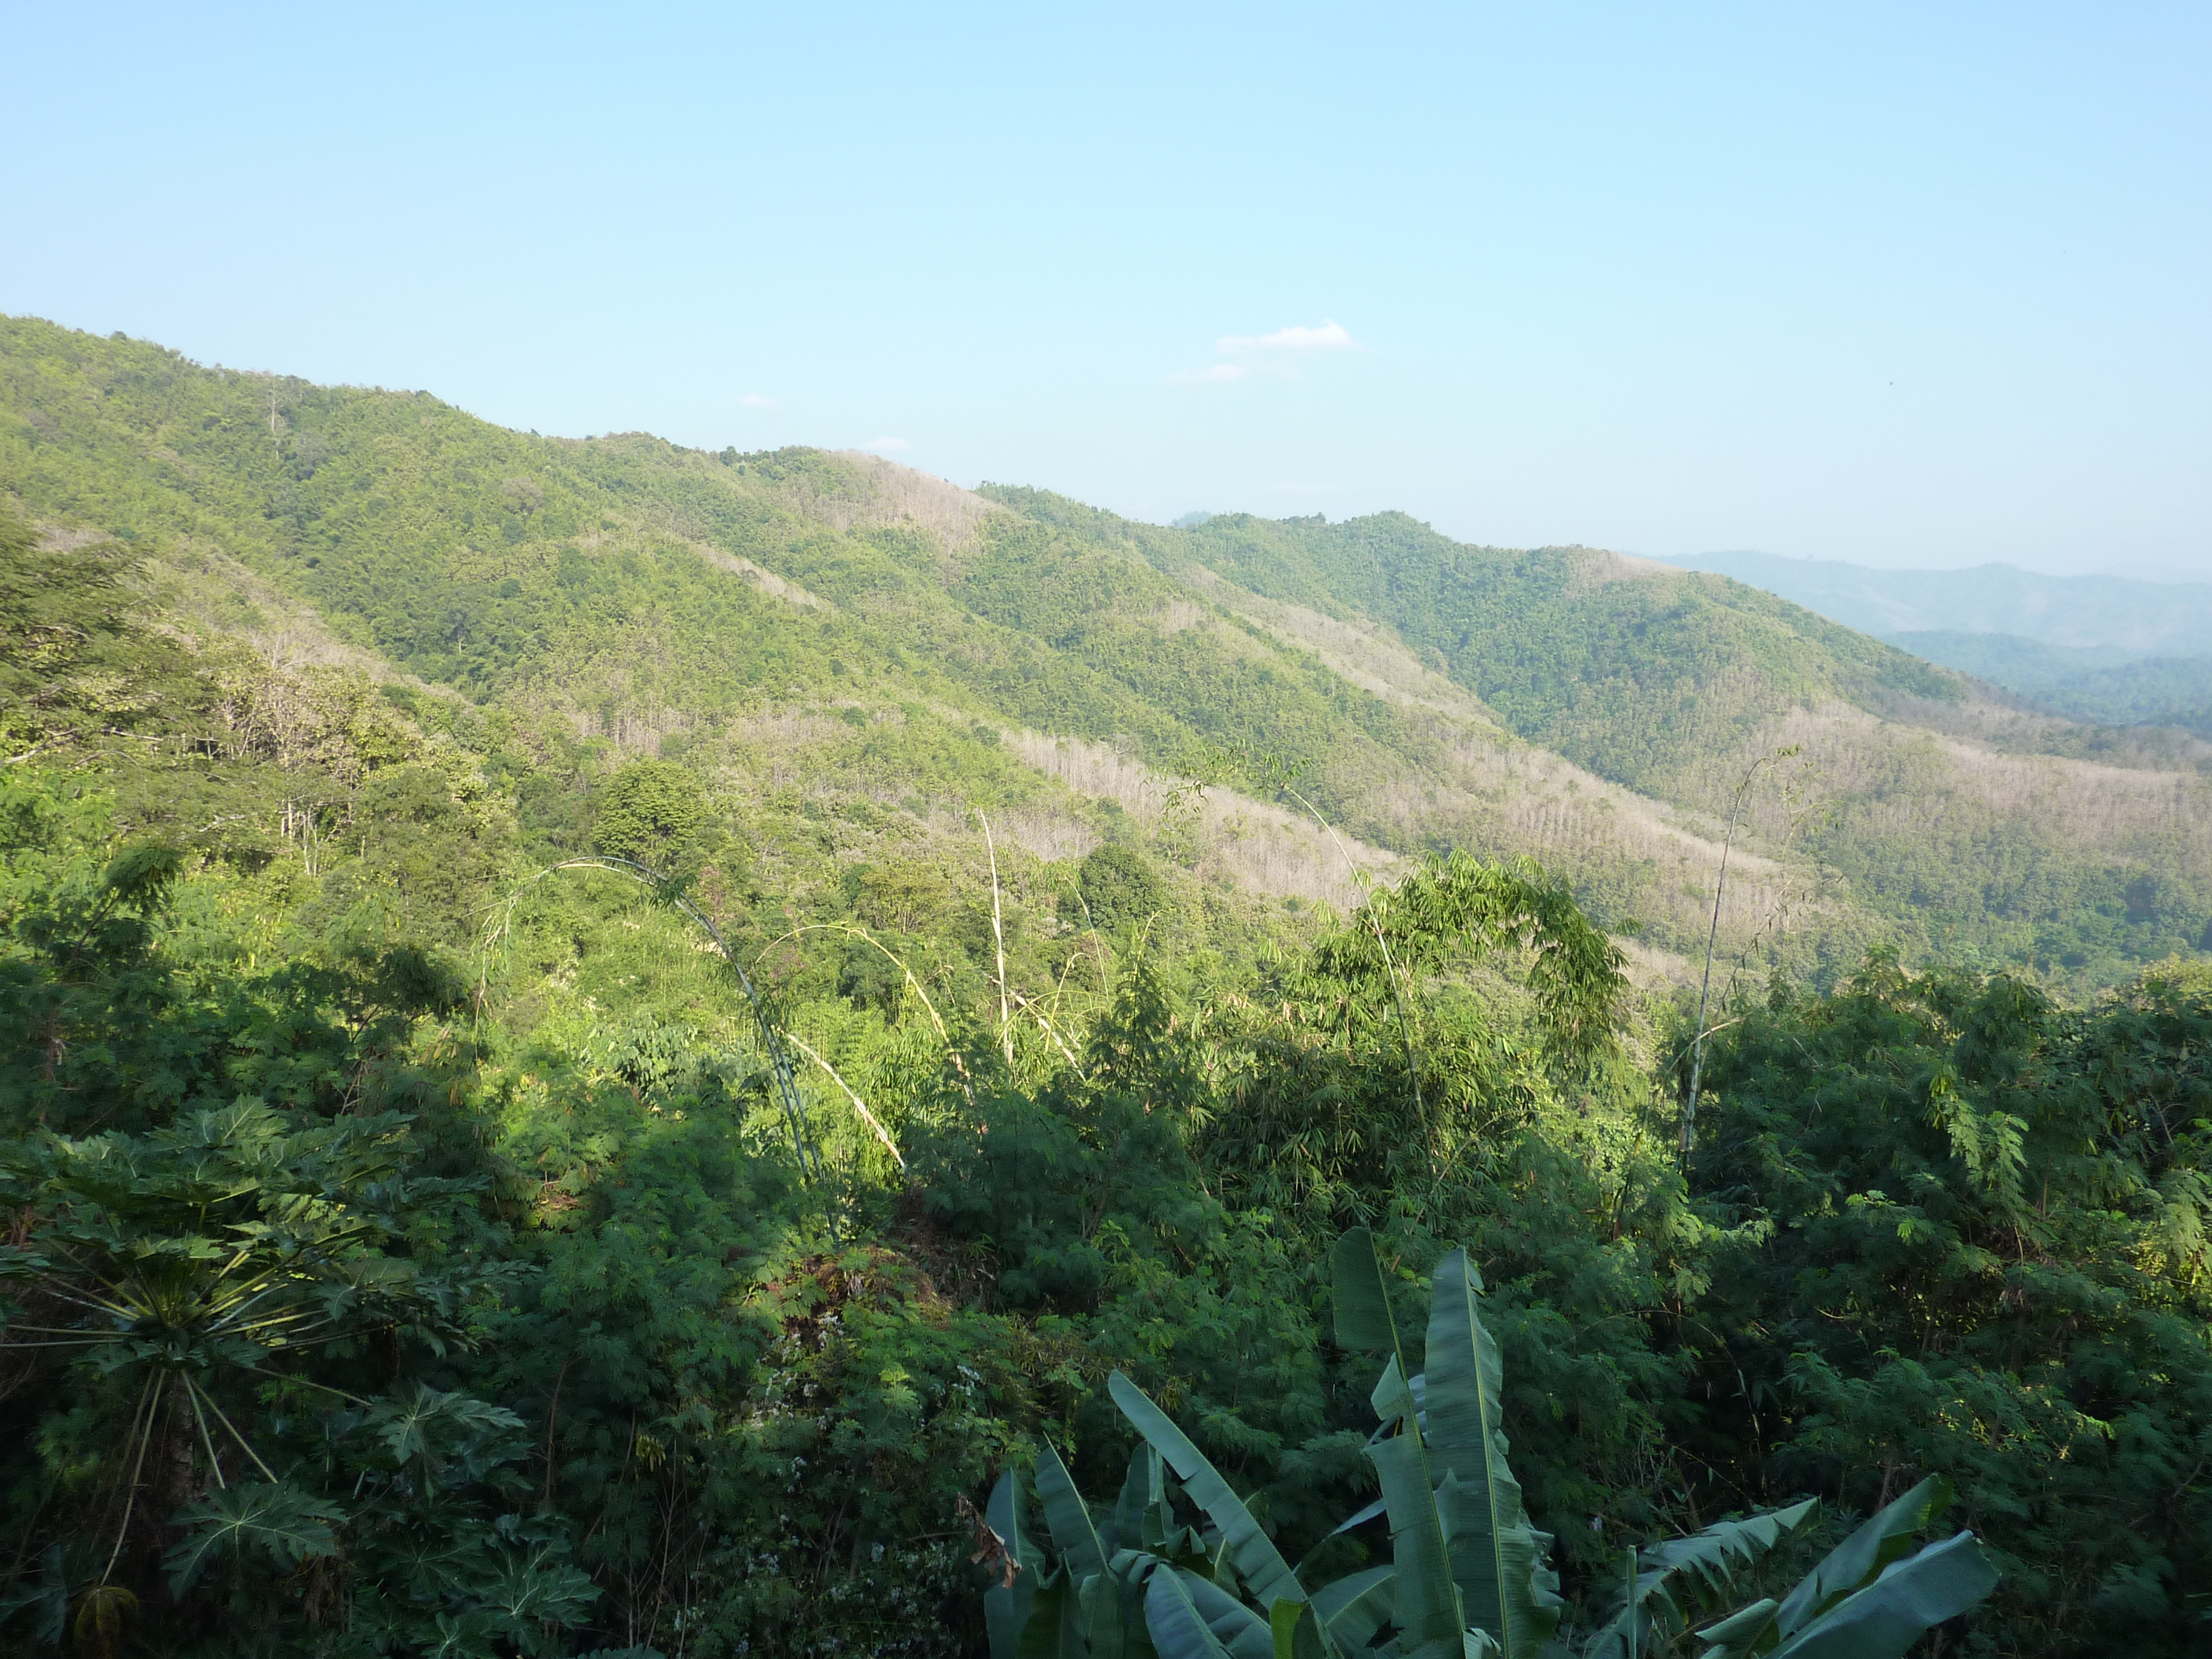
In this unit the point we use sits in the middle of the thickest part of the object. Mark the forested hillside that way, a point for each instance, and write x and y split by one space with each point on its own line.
611 1050
2123 688
1996 833
1565 704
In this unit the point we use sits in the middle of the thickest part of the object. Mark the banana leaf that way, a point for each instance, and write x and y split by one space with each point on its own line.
1252 1552
1359 1517
1709 1560
1236 1626
1911 1597
1497 1556
1713 1556
1053 1629
1741 1632
1426 1603
1123 1633
1624 1636
1296 1630
1177 1631
1393 1398
1067 1517
1143 1517
1855 1562
1355 1607
1112 1624
1007 1607
1364 1322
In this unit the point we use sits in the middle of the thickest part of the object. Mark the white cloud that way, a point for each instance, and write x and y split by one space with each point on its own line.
755 400
1211 374
1275 354
886 445
1330 336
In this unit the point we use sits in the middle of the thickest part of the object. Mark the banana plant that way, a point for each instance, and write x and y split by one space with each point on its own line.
1870 1597
1142 1583
1469 1574
1463 1550
1664 1586
1471 1571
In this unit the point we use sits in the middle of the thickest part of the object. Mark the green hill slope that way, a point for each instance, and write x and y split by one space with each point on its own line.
1999 834
859 657
2088 683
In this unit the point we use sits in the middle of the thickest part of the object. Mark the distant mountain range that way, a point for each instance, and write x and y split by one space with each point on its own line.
2137 618
2101 648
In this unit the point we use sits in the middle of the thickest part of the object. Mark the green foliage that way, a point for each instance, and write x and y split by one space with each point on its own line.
79 662
646 812
1120 890
1468 1573
406 1259
1983 1258
276 1525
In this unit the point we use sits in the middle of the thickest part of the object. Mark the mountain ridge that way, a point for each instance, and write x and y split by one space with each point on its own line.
2147 619
840 640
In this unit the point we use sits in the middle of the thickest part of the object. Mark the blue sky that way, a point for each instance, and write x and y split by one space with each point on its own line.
1909 286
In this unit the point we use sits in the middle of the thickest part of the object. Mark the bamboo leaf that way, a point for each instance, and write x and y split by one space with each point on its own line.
1253 1553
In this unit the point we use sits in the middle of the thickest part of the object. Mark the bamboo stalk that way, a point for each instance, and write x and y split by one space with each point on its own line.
998 934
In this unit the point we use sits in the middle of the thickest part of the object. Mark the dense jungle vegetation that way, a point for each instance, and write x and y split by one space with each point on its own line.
415 1248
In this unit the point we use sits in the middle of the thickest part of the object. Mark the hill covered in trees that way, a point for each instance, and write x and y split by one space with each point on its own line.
2098 649
2121 688
617 596
601 1046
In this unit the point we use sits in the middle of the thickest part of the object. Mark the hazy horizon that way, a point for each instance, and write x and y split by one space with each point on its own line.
1900 289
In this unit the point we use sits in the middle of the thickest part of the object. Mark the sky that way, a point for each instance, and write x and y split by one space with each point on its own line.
1908 286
